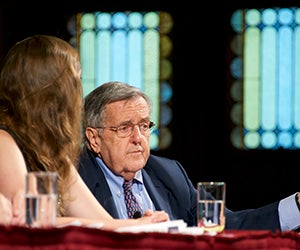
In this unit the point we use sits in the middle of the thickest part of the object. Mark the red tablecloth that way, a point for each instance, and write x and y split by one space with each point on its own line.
73 237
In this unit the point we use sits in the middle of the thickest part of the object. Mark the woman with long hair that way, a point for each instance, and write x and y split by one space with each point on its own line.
40 127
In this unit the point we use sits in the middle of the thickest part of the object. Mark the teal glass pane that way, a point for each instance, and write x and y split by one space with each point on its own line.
131 47
266 77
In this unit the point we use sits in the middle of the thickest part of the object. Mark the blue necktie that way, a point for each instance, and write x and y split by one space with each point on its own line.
131 203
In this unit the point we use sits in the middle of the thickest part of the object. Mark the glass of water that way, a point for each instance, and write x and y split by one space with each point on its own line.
211 206
41 199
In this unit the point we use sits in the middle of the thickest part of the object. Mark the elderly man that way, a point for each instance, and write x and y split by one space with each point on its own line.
117 129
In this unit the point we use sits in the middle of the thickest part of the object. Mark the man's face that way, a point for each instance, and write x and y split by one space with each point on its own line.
125 156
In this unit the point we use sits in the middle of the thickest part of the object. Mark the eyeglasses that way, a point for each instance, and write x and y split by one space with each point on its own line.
126 130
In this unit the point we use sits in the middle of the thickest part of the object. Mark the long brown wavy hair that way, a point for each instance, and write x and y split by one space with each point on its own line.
41 102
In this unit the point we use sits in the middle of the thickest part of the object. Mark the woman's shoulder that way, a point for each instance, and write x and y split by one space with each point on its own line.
9 146
12 164
10 152
6 135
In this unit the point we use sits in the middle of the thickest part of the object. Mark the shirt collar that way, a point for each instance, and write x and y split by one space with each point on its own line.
116 178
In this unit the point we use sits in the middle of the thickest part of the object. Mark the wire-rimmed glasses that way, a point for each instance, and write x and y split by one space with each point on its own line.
125 130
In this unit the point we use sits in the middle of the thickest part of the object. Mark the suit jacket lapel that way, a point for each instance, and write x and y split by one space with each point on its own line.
107 200
157 194
101 192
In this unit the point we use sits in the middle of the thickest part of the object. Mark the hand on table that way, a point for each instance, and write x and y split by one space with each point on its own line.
12 212
155 216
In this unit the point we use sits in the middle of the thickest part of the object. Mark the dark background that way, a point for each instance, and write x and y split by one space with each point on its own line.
201 125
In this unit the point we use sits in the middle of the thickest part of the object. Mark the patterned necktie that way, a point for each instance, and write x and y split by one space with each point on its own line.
131 203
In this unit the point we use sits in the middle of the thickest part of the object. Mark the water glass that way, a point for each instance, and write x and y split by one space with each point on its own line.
211 206
41 199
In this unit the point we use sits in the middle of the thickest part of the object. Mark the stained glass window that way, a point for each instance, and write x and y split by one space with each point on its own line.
131 47
265 78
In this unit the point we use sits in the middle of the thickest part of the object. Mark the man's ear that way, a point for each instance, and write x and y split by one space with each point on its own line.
93 138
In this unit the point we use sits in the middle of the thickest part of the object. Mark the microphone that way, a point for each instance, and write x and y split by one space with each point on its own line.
137 214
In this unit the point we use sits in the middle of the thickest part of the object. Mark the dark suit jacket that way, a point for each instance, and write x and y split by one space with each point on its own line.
172 191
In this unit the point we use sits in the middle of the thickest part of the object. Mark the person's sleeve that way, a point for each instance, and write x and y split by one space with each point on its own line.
289 214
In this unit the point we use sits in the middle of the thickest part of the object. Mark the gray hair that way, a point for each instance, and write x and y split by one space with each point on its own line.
109 92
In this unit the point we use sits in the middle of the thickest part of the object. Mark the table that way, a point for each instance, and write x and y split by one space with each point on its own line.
76 237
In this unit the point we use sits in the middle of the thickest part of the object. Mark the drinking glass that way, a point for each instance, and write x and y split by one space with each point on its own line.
41 199
211 206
